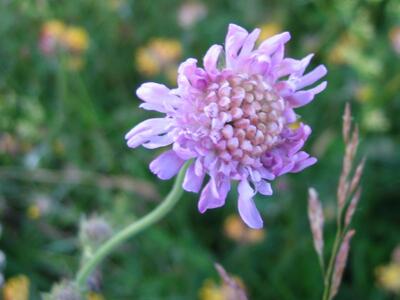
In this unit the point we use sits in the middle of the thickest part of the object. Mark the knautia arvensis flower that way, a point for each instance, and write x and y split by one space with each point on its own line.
236 122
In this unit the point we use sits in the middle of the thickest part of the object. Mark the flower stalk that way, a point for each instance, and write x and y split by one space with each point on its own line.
154 216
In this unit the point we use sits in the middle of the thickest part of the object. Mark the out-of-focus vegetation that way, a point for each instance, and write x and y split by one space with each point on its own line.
68 73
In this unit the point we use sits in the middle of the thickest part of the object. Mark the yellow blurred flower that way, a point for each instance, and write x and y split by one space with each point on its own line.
160 55
343 50
41 205
236 230
230 288
364 93
388 277
16 288
394 36
33 212
76 39
95 296
268 30
146 63
50 36
171 73
211 291
73 39
167 49
54 28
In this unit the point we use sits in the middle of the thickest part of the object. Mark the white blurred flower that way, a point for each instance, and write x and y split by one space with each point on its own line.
190 13
394 36
375 121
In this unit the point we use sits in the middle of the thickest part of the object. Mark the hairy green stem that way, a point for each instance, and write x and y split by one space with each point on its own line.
132 229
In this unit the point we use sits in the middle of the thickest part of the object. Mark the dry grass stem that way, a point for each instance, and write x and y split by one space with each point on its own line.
352 207
346 123
357 176
351 145
316 217
348 196
340 263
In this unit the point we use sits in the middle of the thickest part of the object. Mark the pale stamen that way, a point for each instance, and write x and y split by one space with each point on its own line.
246 117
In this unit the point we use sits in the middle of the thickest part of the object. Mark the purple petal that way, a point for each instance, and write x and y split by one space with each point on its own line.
300 98
249 43
144 126
266 174
319 88
264 188
289 115
154 106
295 147
286 168
302 164
159 141
288 66
192 182
167 165
183 152
303 65
272 44
247 209
189 75
225 168
277 58
209 200
198 167
185 71
234 41
146 130
311 77
285 88
188 67
254 175
214 187
260 64
156 96
211 58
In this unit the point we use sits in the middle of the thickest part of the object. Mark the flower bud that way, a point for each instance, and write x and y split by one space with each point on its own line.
94 230
65 290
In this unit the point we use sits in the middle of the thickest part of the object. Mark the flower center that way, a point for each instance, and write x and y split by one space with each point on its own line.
246 117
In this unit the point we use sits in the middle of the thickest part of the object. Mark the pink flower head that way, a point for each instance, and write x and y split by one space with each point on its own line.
235 122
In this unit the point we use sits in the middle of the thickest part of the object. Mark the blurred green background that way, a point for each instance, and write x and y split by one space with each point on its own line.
68 75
